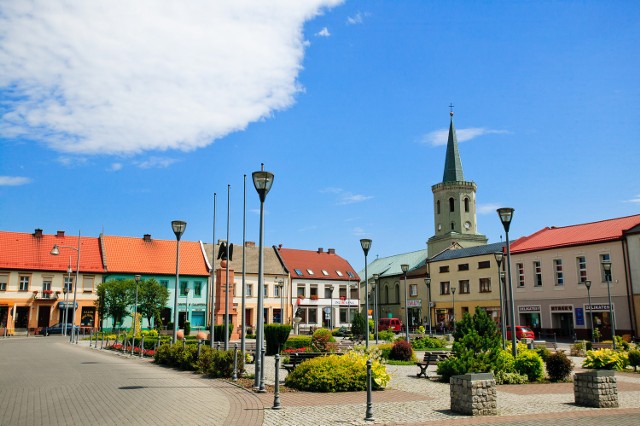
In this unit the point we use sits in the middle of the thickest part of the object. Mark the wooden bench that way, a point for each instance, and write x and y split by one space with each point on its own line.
429 358
299 357
599 345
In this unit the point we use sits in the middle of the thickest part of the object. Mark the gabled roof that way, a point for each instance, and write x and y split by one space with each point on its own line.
304 260
586 233
33 252
148 256
271 265
450 254
389 266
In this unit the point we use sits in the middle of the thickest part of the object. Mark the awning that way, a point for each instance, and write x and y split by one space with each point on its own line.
66 305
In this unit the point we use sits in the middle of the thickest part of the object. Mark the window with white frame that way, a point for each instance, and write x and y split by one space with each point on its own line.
581 264
197 289
24 282
463 285
248 289
3 282
87 283
557 266
444 287
266 290
68 283
603 273
300 291
313 291
537 273
485 285
276 290
520 269
413 290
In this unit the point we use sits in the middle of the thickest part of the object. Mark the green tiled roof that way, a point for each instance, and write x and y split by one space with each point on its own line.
389 266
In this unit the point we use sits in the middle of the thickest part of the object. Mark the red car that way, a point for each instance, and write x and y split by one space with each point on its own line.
522 332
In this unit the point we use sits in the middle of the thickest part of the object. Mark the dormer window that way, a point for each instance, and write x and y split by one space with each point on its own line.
310 271
298 271
350 274
339 273
325 273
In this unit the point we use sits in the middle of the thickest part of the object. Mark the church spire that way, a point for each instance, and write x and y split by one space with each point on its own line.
452 164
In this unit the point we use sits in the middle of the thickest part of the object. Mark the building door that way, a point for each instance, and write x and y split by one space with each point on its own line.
22 317
566 325
248 315
43 316
165 317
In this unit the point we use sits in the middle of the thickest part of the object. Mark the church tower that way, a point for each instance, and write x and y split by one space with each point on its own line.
454 204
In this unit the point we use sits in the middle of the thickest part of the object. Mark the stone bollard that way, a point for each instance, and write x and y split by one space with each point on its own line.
596 388
474 394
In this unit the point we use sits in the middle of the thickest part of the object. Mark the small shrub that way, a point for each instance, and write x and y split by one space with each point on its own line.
358 324
401 351
452 366
505 362
387 335
530 364
512 378
385 350
634 358
187 328
163 354
420 330
606 359
622 344
333 373
543 351
296 342
579 348
322 339
424 343
559 367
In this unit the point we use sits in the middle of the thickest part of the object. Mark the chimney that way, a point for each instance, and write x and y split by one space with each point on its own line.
320 250
147 238
279 246
38 233
331 251
249 243
60 234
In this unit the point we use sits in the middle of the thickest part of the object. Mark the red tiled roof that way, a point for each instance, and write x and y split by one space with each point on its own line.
27 252
135 255
586 233
317 262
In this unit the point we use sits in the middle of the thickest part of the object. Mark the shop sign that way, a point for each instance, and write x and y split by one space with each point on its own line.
599 307
562 308
532 308
414 303
579 316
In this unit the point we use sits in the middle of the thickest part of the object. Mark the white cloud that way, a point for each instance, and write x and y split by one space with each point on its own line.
635 200
439 137
358 232
357 19
323 33
345 197
117 77
156 162
14 180
116 167
487 208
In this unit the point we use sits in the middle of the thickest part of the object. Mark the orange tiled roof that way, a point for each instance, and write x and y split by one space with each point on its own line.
317 262
586 233
30 252
136 255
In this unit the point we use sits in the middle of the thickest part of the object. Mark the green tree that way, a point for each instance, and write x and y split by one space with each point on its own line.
114 296
152 297
358 324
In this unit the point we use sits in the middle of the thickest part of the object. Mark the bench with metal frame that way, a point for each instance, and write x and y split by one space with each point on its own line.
431 357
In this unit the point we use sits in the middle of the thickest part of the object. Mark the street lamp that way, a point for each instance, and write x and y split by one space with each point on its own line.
65 290
330 288
506 214
280 286
365 243
405 268
178 227
135 314
503 331
262 181
376 303
606 265
587 284
427 281
56 251
453 310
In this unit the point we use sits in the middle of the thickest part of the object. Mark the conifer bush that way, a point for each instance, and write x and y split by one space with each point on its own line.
559 366
276 335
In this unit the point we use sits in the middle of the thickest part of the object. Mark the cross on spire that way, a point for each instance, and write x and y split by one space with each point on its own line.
451 108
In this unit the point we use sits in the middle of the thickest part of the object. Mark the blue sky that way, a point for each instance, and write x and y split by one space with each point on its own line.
121 118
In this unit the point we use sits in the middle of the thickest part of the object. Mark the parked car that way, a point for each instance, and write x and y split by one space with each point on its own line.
393 324
522 333
58 328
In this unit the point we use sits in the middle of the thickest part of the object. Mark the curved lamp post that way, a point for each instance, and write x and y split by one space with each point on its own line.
262 181
606 266
178 227
453 310
366 245
56 251
587 284
503 331
506 214
405 268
